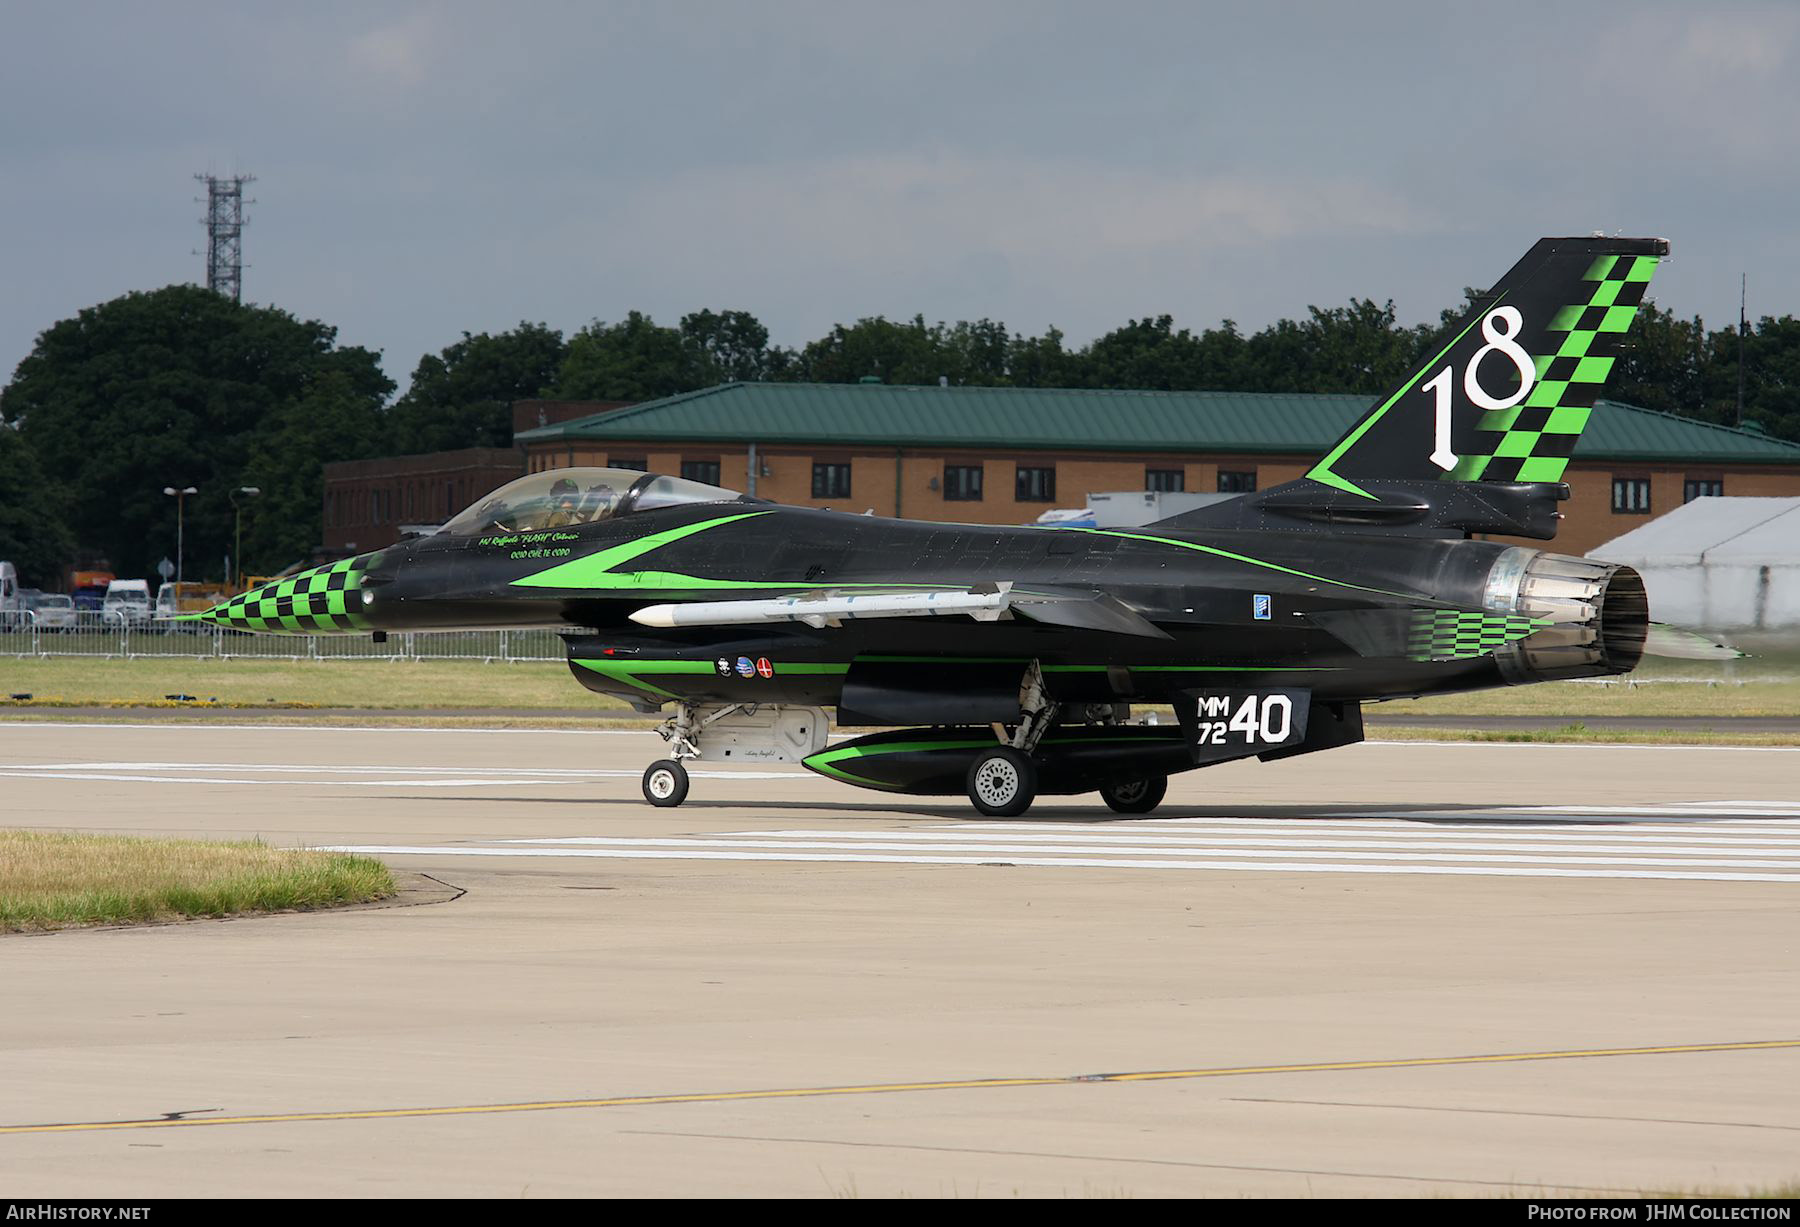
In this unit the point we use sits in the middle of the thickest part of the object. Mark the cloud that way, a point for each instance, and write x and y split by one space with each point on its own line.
891 210
398 55
1717 82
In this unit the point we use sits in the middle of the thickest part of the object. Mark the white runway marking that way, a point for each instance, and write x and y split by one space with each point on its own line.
272 727
383 776
1496 848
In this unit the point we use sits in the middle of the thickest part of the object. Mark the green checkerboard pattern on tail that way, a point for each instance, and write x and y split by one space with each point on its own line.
1534 440
1456 634
327 598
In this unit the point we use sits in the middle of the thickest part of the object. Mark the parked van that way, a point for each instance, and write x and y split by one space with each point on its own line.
127 603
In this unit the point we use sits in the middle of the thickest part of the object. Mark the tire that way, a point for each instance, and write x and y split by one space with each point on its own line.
1135 795
665 783
1002 783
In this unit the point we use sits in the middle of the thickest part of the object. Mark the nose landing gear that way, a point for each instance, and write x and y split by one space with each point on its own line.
730 733
665 783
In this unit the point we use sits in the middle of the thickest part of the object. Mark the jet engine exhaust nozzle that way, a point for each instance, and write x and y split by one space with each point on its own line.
1598 614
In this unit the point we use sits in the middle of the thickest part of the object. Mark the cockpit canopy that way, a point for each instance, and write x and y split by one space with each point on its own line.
563 498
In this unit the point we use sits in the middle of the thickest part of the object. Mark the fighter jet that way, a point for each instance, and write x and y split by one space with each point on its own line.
1005 663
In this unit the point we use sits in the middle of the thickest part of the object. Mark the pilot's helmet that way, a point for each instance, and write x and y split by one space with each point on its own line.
563 496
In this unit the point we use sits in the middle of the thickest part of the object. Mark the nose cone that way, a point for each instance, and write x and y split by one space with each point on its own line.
319 601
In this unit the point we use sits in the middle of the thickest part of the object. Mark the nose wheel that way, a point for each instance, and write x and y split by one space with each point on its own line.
665 783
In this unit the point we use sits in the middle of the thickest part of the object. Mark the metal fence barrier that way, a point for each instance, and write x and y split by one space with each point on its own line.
91 634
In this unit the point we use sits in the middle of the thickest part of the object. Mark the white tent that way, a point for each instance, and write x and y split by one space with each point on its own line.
1719 563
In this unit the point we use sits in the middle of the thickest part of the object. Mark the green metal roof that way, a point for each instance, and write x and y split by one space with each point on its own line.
1086 419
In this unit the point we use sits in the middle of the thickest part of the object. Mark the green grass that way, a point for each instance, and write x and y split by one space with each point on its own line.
1766 695
373 684
55 880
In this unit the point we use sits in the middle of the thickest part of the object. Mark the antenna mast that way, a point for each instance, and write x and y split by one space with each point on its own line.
1743 327
224 222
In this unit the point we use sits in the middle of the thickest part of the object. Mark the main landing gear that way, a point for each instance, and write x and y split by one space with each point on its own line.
1136 795
1002 782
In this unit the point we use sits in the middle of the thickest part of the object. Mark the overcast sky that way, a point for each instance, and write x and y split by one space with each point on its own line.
423 169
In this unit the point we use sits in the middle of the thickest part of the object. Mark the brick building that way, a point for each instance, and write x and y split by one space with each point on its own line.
1005 455
368 503
372 503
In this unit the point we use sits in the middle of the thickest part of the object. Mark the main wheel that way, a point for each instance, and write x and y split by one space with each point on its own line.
1138 795
1002 783
665 783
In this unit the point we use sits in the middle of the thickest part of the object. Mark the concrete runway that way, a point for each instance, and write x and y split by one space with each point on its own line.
1397 969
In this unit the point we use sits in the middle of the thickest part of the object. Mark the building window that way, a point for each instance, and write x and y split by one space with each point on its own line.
831 481
637 464
962 483
1631 495
1237 481
706 471
1165 481
1035 485
1702 487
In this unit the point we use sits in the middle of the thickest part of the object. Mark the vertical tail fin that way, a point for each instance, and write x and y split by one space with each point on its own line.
1508 389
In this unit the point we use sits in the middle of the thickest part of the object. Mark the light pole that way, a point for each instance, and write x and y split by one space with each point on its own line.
237 559
180 503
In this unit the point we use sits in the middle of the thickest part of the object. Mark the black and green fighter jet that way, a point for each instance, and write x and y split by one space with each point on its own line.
1004 662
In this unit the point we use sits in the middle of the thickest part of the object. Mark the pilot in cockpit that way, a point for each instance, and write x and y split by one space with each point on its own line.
598 502
564 511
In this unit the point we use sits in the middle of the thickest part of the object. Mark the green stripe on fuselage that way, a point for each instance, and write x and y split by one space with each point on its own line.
595 571
627 671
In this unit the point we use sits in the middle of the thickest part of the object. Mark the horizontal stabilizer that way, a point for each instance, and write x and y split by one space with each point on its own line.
1674 643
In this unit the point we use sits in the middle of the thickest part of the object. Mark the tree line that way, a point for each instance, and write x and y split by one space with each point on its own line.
182 387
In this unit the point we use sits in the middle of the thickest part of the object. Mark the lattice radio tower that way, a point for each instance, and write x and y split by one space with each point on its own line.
224 222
